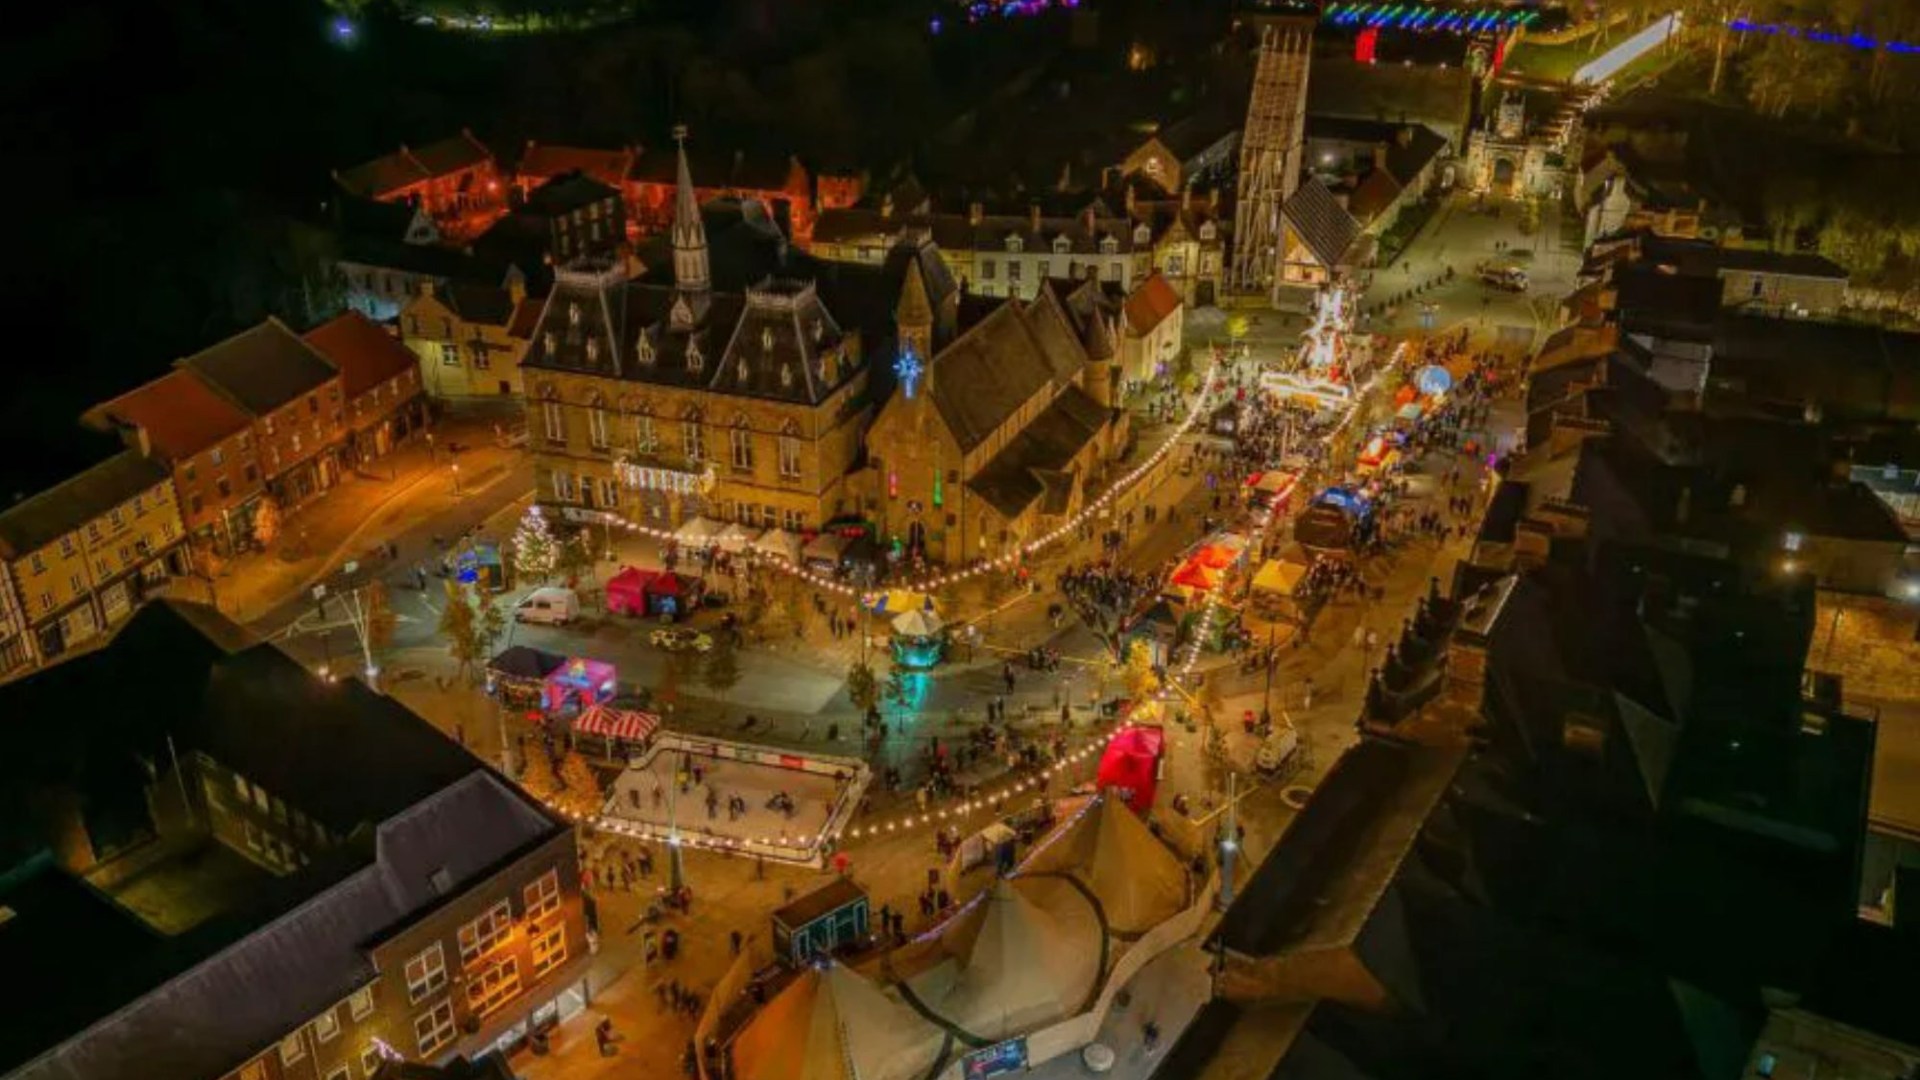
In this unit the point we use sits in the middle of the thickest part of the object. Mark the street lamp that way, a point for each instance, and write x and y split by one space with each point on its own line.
455 466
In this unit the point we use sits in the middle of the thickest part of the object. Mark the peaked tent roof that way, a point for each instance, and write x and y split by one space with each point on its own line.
1322 224
833 1024
1024 953
1108 849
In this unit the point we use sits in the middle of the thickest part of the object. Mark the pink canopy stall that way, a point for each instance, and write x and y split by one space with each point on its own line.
581 681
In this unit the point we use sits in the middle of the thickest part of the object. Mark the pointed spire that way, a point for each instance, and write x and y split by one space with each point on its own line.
689 234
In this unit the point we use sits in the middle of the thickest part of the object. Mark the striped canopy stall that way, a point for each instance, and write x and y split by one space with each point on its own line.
625 724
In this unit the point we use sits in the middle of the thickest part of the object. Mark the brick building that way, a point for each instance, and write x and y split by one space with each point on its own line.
381 382
295 399
344 886
207 443
455 180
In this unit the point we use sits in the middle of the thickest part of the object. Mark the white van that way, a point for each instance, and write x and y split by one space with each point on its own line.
550 606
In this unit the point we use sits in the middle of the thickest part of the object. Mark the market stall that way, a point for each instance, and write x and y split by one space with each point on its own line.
697 534
580 681
673 596
619 729
778 544
1130 765
627 591
1205 566
824 553
480 565
919 640
824 921
898 602
736 538
1263 487
518 675
1338 520
1274 587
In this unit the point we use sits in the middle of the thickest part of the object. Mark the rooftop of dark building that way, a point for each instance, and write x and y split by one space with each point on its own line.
399 801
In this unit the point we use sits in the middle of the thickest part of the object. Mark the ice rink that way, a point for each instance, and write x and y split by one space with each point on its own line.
645 796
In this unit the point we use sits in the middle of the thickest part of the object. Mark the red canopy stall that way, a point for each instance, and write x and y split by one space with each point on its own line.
1131 765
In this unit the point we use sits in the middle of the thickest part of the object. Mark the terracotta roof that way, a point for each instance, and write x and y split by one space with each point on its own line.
262 368
182 416
546 162
1152 301
35 522
390 173
365 354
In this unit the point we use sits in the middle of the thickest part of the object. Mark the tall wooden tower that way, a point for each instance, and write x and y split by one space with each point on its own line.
1271 144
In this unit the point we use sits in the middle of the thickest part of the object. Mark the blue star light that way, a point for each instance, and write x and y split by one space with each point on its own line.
908 369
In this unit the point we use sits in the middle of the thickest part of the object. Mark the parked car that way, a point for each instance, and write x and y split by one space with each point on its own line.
1508 278
550 606
678 638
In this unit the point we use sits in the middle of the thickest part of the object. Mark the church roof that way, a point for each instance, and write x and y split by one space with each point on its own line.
1322 224
1034 463
999 363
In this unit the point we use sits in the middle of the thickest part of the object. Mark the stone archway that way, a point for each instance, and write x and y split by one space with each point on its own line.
1506 173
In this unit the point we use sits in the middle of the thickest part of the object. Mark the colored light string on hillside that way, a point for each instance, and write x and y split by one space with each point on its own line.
1854 39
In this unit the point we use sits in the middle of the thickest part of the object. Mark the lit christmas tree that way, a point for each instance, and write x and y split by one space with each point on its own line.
534 549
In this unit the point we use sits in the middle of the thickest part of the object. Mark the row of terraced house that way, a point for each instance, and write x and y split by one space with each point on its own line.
267 415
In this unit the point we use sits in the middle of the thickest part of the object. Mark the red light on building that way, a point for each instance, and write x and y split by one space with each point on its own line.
1365 44
1500 52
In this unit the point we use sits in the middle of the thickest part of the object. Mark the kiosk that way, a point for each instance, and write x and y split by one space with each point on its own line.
822 922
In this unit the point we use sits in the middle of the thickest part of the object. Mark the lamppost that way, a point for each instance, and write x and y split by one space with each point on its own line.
455 466
676 868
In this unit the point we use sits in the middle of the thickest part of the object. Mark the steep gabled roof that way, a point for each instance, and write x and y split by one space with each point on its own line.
999 363
1320 222
548 161
405 167
1150 303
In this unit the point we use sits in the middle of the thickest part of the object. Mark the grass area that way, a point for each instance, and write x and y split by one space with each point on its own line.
1549 63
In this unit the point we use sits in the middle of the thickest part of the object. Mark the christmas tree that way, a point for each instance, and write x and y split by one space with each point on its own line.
534 550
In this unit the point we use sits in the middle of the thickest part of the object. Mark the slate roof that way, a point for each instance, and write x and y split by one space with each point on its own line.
647 333
998 364
1703 257
407 800
959 232
390 173
262 368
182 415
1322 224
39 520
1409 147
366 355
1034 463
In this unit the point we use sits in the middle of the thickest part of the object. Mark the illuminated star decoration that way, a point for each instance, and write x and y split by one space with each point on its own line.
1325 340
908 369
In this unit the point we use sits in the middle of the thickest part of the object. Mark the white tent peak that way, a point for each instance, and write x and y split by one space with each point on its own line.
1107 848
832 1023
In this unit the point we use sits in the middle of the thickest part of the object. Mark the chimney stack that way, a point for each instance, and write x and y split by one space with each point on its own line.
1380 155
1186 197
1086 221
886 206
1033 215
975 213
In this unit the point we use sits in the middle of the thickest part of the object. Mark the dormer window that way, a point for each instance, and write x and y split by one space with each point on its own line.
593 350
1108 245
547 340
819 331
1062 245
643 349
573 314
682 315
741 370
694 360
1207 231
1141 235
1016 245
786 376
766 339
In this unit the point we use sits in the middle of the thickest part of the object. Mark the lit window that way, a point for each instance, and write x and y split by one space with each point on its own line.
477 938
789 457
326 1026
553 421
693 441
292 1049
1793 541
741 441
370 1059
549 949
426 972
433 1029
361 1003
254 1070
489 989
543 896
597 427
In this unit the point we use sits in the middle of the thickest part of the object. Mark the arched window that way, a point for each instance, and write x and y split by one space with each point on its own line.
1062 245
693 437
643 348
695 361
790 451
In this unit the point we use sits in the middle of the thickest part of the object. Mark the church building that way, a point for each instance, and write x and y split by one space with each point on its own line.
994 437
